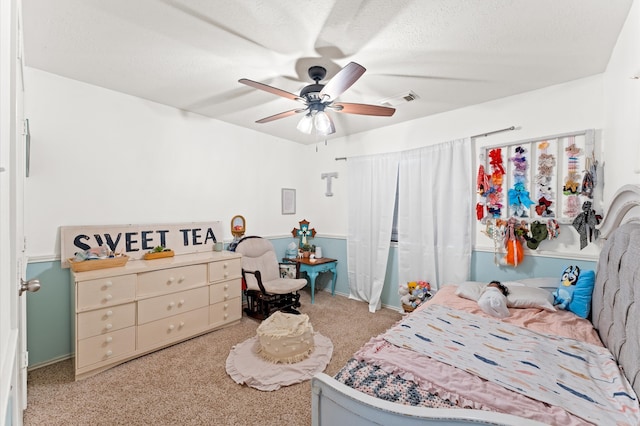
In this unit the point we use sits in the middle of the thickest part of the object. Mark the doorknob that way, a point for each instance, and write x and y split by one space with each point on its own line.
31 285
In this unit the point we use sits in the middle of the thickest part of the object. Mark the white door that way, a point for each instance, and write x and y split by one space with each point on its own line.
12 265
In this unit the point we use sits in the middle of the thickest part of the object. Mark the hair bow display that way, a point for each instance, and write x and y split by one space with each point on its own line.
585 223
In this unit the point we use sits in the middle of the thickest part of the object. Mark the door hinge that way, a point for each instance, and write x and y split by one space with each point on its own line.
25 359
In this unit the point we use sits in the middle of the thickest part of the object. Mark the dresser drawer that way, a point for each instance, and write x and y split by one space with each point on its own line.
105 347
105 292
225 312
172 329
171 304
171 280
107 320
225 290
224 269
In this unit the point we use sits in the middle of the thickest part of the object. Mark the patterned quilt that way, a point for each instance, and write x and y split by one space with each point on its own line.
582 378
376 382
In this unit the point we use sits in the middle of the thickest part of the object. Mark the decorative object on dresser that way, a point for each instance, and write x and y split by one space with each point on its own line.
92 265
266 291
238 228
136 240
158 252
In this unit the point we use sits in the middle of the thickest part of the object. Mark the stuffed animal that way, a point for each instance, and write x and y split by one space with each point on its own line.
419 295
424 285
564 293
405 294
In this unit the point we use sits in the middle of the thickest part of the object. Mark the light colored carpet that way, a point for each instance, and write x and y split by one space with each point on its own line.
186 384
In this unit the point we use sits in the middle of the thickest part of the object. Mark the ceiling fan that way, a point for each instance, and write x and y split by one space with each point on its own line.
320 97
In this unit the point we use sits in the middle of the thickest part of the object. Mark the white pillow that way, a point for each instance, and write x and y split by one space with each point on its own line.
519 296
470 290
530 297
542 282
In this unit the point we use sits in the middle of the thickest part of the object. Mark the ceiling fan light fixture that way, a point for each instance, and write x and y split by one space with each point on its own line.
305 125
323 123
317 97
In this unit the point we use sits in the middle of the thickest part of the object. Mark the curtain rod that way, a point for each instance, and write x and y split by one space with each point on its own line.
484 135
481 135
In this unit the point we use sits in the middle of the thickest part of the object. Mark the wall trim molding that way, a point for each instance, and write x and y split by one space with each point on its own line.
543 253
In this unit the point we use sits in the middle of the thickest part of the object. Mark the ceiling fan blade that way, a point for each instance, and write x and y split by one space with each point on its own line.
342 80
363 109
270 89
281 115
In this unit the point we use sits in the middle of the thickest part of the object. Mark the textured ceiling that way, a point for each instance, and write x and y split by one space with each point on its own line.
189 54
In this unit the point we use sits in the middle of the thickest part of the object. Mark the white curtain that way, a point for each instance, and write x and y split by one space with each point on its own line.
435 198
372 182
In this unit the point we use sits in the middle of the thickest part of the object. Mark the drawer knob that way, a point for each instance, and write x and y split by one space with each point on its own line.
226 274
226 316
226 286
109 313
108 284
181 279
109 326
108 297
181 302
171 327
226 306
109 353
226 296
182 324
225 265
109 339
171 280
172 304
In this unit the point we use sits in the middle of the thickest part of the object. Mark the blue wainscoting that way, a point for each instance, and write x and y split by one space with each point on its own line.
50 311
49 314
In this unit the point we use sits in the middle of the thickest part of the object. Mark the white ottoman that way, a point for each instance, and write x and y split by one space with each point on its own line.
285 338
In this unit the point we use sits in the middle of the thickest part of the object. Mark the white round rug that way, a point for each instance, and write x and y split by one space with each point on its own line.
245 366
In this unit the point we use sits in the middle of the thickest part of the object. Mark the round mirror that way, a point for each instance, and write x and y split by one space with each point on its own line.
237 226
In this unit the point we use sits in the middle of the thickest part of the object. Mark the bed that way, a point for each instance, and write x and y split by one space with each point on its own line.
592 369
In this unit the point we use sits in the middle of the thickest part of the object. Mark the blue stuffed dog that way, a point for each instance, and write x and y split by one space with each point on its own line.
564 293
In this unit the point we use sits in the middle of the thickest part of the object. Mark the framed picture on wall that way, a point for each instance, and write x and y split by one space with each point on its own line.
288 201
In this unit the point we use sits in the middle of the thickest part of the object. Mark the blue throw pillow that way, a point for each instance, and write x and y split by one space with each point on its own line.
581 302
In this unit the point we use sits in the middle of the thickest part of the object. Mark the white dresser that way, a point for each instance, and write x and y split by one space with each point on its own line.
123 313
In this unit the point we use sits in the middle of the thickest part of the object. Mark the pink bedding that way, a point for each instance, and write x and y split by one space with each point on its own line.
561 323
467 390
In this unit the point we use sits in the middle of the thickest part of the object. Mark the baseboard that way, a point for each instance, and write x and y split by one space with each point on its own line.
49 362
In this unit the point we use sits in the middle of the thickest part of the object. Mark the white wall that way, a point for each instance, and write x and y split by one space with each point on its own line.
101 157
622 115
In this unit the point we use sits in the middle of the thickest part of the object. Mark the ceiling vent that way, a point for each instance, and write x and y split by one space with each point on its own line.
399 99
